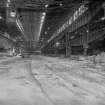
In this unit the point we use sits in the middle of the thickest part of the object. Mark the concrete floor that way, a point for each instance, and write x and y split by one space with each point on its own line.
51 81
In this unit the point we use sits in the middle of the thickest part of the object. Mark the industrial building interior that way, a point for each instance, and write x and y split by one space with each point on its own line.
52 52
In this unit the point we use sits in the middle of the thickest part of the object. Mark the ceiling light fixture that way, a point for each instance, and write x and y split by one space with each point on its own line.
72 37
45 32
1 17
61 4
57 44
13 13
87 31
103 18
46 5
8 3
48 28
42 21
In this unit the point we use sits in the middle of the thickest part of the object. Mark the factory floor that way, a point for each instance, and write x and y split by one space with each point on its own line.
42 80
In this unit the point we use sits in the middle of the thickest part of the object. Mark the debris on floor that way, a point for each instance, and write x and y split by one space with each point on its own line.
52 81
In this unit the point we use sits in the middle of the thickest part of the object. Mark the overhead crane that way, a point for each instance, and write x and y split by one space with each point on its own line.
29 20
26 22
29 17
68 30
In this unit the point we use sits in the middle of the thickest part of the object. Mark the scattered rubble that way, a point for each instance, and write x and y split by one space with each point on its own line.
97 59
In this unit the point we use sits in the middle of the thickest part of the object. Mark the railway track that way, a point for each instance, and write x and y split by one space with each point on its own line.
32 78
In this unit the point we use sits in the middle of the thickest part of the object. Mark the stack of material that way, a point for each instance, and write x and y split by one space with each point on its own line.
100 58
97 59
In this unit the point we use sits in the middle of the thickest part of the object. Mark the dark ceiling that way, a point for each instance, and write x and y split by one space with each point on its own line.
56 13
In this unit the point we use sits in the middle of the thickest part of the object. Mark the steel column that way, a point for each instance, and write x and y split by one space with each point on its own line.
68 45
85 42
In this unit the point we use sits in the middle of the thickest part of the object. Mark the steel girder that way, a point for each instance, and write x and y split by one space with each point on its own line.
92 36
81 21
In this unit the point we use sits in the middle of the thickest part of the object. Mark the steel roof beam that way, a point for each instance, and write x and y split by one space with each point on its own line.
81 21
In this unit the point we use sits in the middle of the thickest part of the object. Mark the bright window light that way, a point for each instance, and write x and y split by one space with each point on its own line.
42 21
